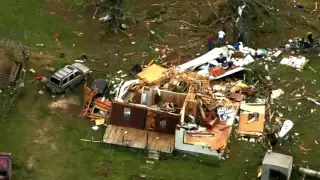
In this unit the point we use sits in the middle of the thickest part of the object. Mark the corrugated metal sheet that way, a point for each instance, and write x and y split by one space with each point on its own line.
135 119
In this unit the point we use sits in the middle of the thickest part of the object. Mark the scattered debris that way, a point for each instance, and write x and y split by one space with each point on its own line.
95 128
78 33
252 117
295 62
311 68
276 93
287 126
313 100
303 148
105 18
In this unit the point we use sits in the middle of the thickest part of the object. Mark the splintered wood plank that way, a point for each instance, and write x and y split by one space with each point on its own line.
88 96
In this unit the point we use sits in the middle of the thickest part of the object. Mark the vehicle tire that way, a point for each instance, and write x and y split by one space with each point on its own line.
68 89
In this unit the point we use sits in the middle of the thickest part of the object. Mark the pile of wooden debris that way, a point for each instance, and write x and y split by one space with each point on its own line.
96 108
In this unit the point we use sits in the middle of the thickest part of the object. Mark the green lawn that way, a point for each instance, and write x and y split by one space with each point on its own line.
45 144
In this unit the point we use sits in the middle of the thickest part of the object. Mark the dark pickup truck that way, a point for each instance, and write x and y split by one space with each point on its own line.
5 166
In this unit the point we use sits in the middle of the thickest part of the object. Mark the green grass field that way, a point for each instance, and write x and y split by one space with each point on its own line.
45 143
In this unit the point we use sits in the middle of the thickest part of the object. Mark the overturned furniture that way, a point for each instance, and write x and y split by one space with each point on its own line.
276 166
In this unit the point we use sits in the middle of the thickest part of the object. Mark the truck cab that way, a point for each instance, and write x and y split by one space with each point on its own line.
5 166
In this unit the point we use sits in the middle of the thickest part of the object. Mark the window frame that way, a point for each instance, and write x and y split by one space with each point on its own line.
126 116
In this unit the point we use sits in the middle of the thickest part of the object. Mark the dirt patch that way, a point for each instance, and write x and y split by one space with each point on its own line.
31 162
43 137
103 169
41 59
64 103
53 146
70 104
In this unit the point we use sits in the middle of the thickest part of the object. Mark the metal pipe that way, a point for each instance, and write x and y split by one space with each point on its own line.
309 172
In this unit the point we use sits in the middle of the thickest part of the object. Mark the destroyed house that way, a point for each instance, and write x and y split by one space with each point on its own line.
165 110
143 121
209 139
147 121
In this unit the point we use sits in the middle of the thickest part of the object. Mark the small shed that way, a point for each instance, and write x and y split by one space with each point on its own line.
277 166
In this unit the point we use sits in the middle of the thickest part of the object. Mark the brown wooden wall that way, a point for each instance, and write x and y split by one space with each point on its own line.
137 116
170 123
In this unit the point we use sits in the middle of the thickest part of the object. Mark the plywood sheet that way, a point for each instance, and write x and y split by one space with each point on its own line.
176 98
140 139
218 140
160 142
152 73
125 137
254 128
